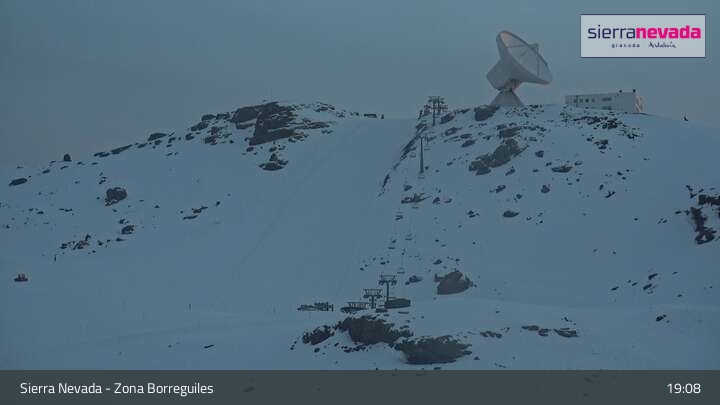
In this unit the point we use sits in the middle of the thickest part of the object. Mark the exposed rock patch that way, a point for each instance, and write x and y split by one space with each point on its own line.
318 335
121 149
369 330
452 283
444 349
18 181
562 168
413 279
155 136
704 234
446 118
115 195
483 113
415 198
508 149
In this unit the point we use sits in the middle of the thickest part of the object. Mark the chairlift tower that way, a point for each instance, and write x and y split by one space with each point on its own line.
387 280
437 104
373 294
422 157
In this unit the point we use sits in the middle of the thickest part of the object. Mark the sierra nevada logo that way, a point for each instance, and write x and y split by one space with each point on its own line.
642 36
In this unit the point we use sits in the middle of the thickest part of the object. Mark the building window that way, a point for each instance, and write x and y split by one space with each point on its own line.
606 99
606 107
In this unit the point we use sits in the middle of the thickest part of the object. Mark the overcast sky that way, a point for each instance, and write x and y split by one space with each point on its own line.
80 76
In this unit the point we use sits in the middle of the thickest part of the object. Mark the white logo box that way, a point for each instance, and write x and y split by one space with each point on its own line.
655 35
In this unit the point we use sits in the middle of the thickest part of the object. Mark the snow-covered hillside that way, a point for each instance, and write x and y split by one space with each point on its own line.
588 239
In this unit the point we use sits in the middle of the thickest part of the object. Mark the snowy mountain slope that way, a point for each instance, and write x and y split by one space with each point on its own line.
581 219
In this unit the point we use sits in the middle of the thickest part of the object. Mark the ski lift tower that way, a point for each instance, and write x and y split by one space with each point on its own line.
387 280
373 294
422 157
437 104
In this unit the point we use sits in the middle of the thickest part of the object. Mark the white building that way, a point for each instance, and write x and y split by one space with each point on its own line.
620 101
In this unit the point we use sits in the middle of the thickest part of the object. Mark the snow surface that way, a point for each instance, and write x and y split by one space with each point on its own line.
327 224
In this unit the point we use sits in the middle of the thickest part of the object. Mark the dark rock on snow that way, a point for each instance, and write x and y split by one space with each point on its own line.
508 149
442 349
413 279
483 113
318 335
19 181
369 330
452 283
155 136
115 195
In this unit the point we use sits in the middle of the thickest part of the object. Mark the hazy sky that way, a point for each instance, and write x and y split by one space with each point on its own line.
80 76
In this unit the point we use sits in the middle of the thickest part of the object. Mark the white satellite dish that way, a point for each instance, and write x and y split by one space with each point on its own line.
519 62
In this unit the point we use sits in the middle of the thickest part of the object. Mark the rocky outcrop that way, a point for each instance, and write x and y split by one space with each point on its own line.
155 136
508 149
245 114
446 118
483 113
274 163
272 124
444 349
18 181
199 126
115 195
317 336
562 169
704 234
121 149
414 199
413 279
369 330
452 283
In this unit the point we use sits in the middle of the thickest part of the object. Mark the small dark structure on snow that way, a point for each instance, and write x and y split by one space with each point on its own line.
394 303
373 294
354 306
21 278
318 306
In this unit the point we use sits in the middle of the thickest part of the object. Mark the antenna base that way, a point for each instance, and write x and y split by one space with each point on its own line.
507 98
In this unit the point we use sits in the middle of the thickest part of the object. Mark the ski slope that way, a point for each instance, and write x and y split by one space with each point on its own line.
222 252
